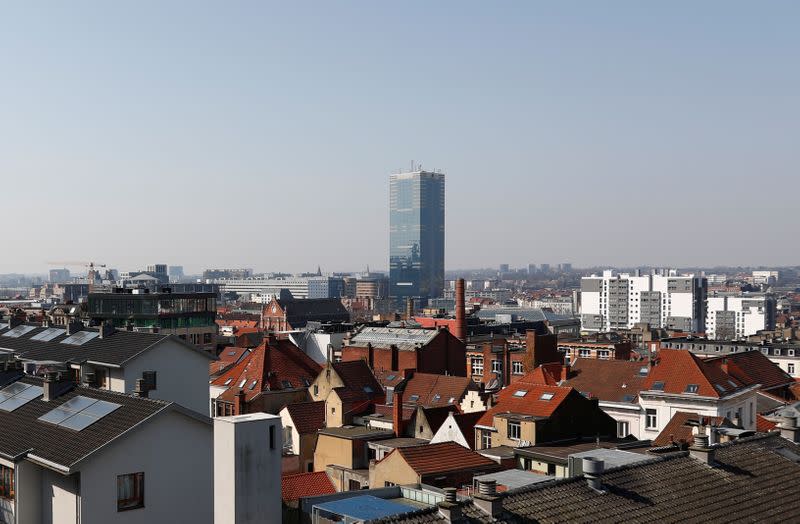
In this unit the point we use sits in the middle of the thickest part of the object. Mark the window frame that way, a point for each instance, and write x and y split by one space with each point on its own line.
7 487
136 501
648 413
517 426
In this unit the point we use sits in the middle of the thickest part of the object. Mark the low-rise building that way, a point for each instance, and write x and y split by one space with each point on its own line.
294 314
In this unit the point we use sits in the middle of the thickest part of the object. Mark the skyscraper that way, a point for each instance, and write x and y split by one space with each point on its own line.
416 234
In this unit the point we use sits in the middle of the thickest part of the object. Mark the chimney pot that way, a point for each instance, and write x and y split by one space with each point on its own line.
593 468
141 389
701 450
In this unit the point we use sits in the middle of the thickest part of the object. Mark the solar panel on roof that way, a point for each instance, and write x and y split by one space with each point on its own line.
17 395
80 338
18 331
48 334
79 412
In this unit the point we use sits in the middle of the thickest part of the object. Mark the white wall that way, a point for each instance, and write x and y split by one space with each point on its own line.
181 375
29 485
667 407
175 453
450 432
286 421
60 499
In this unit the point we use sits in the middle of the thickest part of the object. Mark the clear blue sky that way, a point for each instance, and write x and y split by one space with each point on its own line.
262 134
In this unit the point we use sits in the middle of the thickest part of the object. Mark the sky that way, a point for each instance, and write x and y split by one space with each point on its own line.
262 134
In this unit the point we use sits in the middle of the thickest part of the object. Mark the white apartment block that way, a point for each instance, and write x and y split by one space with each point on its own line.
300 287
734 317
664 299
765 277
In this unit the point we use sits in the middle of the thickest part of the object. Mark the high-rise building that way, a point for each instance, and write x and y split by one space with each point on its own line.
59 275
504 268
416 234
667 300
736 316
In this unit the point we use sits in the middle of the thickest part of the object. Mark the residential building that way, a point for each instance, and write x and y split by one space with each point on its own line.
349 389
445 464
458 428
735 317
574 350
301 421
189 316
416 234
667 300
274 374
766 277
318 339
289 315
73 454
435 351
114 360
302 485
500 361
344 453
300 287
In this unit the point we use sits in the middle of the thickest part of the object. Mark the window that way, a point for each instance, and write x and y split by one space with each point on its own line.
496 368
486 439
584 353
520 393
388 484
6 482
477 366
516 368
513 430
353 485
272 437
790 367
130 491
546 396
651 419
622 429
777 352
316 389
691 388
658 386
603 354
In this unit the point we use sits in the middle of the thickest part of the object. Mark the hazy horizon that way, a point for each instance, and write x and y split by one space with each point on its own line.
263 134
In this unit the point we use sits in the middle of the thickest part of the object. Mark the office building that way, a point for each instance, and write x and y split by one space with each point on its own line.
59 275
299 286
662 299
740 315
416 234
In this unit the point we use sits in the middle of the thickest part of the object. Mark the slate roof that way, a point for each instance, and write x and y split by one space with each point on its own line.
678 430
114 350
300 311
608 380
754 479
752 367
301 485
308 417
678 368
23 434
272 366
441 458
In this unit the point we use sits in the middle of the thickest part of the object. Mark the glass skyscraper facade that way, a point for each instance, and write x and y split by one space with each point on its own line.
416 234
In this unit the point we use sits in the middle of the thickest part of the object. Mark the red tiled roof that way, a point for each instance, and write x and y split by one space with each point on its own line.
752 367
443 457
678 431
529 404
677 368
301 485
763 425
608 380
547 374
436 390
356 375
436 416
466 423
281 365
308 417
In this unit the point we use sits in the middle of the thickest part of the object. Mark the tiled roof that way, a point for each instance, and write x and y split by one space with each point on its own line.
608 380
443 457
547 374
384 337
466 423
511 400
763 424
679 431
753 479
271 366
308 417
677 369
115 349
427 389
356 375
300 311
436 416
301 485
23 434
752 367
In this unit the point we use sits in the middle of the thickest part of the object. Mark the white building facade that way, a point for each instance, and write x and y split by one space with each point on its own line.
739 316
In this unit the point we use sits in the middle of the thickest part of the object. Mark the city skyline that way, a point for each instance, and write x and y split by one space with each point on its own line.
581 125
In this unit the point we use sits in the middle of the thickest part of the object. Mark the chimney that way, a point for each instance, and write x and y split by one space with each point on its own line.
701 450
449 508
409 308
106 329
565 372
128 326
73 326
370 355
592 470
239 403
487 500
788 428
54 386
90 379
14 321
461 326
141 389
397 409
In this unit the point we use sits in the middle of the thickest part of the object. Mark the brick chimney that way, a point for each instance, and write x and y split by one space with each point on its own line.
397 408
370 355
461 326
542 348
239 407
409 308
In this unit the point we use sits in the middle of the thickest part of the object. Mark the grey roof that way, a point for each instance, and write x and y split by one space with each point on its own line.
403 338
753 479
356 432
23 435
530 314
114 349
515 478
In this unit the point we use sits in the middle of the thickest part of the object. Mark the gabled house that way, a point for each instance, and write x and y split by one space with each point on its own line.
293 314
458 428
71 454
114 359
301 421
349 389
528 413
273 375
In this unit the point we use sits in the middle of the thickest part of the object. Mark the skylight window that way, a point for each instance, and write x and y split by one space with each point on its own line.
227 382
643 371
18 331
17 395
48 334
80 338
520 393
413 398
628 398
451 400
79 412
243 382
368 389
732 383
231 353
658 386
253 384
391 377
691 388
306 382
546 396
286 384
720 388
